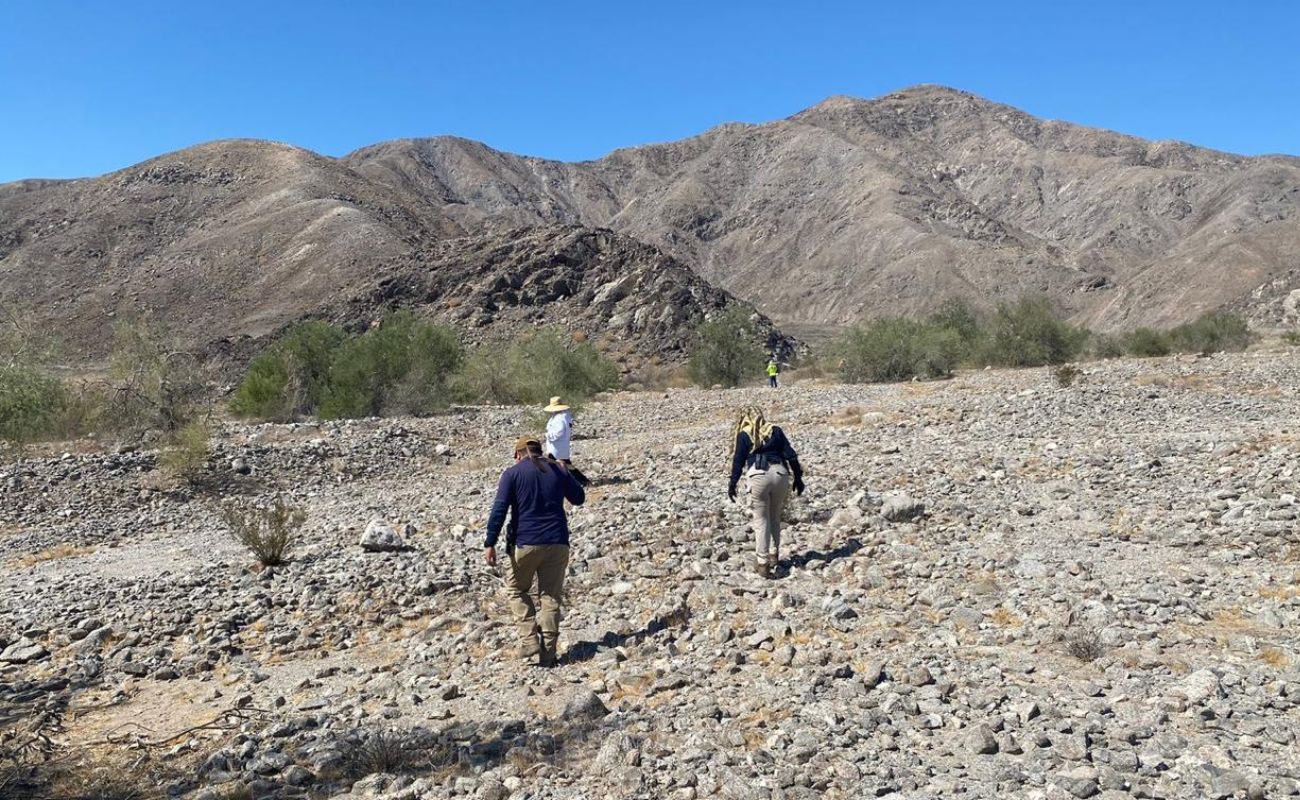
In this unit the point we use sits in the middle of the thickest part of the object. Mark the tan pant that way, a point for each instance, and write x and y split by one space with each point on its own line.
767 492
547 563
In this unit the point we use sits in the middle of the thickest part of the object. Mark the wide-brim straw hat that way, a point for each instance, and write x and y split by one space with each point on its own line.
556 405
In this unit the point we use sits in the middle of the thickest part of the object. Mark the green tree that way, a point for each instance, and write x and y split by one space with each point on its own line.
291 378
898 349
401 367
535 368
1028 333
726 350
1213 332
1147 343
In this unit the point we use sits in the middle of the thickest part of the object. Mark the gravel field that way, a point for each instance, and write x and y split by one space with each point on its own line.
1097 594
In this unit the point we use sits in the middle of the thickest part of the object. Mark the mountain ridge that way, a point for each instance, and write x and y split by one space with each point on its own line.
850 209
940 156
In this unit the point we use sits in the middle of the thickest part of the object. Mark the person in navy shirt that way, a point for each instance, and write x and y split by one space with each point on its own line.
761 453
533 492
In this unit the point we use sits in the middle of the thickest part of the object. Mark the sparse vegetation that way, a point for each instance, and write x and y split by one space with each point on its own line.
1213 332
153 387
30 403
187 451
1292 338
400 367
1025 333
290 379
897 349
408 366
1028 333
534 369
726 351
1147 343
391 752
1105 346
1085 645
149 388
1066 375
269 533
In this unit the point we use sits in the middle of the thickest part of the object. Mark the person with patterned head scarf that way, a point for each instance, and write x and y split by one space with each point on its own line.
763 454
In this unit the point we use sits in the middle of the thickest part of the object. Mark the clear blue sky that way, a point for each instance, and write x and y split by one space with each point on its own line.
88 87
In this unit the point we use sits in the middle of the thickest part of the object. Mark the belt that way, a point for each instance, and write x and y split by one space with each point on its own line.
764 461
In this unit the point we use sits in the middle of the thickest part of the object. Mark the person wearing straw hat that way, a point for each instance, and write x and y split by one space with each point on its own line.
559 434
533 492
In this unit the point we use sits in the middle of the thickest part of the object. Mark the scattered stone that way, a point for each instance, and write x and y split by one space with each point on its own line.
380 537
902 508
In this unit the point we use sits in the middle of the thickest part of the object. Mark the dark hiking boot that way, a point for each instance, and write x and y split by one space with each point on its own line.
763 569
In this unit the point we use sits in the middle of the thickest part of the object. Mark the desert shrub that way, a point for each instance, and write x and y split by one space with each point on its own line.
292 377
388 752
1292 338
896 349
532 370
1147 343
726 350
554 365
1085 645
1105 346
154 387
401 367
487 376
187 450
31 403
1066 375
1028 333
958 316
1212 332
269 533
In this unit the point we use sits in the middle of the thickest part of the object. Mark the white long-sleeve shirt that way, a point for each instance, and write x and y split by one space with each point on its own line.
557 435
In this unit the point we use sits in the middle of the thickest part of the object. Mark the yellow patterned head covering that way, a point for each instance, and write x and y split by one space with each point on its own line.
753 424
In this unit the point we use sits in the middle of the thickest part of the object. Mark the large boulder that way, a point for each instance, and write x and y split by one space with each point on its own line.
23 651
380 537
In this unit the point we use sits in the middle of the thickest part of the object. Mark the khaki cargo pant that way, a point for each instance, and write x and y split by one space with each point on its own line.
546 563
767 493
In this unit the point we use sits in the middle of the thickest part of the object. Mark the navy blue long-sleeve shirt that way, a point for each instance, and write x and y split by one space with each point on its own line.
776 446
535 500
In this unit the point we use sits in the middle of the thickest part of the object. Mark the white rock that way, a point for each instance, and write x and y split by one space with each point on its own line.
380 537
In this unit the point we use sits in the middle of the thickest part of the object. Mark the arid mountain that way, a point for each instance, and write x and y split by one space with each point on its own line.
227 243
851 209
630 297
857 208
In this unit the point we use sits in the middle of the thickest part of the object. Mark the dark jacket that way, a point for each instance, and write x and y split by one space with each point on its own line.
535 499
775 450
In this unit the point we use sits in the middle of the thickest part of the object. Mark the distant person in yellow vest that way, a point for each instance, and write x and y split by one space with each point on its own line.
773 369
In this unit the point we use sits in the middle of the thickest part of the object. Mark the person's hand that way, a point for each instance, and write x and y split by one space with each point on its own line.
490 556
798 487
731 492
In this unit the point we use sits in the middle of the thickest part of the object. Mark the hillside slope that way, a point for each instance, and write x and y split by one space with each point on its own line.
857 208
225 244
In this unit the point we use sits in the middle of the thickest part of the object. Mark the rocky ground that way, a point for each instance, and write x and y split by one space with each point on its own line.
1093 591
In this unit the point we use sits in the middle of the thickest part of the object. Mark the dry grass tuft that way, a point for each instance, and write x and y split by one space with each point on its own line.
1004 618
1275 657
847 417
55 553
